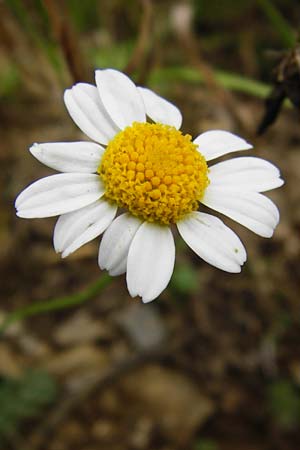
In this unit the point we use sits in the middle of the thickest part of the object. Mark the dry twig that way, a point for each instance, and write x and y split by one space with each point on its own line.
143 40
181 19
67 40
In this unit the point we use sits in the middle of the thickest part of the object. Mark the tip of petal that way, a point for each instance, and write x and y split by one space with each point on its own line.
247 145
110 272
34 149
268 235
134 293
67 93
24 215
110 70
280 183
148 300
68 98
18 202
238 269
103 267
57 248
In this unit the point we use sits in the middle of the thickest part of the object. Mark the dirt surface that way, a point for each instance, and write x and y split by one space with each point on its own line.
214 363
192 370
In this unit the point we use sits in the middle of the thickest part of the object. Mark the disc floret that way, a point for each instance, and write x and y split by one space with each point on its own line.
155 172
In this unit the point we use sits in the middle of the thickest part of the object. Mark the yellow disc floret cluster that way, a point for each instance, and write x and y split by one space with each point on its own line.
155 172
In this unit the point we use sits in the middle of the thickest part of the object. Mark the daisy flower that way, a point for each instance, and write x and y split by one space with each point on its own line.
156 176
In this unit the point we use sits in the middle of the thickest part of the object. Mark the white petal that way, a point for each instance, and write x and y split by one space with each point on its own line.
115 243
150 261
215 143
120 97
72 157
76 228
213 241
245 173
251 209
58 194
159 109
85 108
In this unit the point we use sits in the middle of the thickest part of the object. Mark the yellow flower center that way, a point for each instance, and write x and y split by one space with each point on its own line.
155 172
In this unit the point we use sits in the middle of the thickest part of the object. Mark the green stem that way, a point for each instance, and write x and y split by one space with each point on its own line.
56 303
228 80
231 81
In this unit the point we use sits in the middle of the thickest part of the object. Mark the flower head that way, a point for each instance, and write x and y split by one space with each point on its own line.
157 176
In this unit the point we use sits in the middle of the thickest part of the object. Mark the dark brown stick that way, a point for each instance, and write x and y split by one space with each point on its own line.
66 38
191 49
143 40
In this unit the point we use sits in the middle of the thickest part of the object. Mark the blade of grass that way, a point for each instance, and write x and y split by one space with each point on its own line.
39 39
282 27
228 80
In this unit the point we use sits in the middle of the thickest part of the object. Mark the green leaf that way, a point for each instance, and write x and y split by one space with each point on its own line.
284 403
24 398
206 444
184 279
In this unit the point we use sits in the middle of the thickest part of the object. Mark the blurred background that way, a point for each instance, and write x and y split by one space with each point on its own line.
214 363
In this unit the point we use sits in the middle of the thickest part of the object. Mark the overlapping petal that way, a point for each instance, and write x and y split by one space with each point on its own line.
213 241
159 109
120 97
74 157
118 237
150 261
146 251
85 108
245 173
58 194
251 209
215 143
76 228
